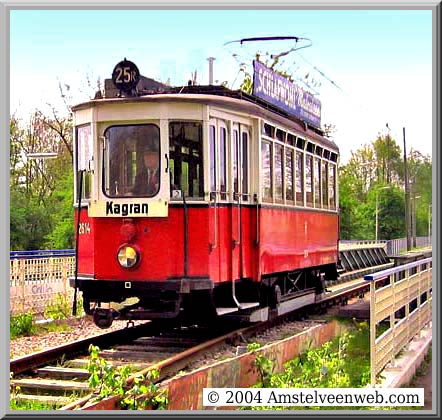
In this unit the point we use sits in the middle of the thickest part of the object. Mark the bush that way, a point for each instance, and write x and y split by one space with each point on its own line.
22 324
60 309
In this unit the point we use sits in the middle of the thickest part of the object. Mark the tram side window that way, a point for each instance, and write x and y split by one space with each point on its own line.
280 135
131 164
289 175
299 178
309 180
222 162
324 184
269 130
240 165
291 139
212 158
186 158
279 159
245 166
235 162
317 179
332 185
84 158
267 169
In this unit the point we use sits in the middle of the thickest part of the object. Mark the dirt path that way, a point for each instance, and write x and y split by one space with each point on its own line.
426 381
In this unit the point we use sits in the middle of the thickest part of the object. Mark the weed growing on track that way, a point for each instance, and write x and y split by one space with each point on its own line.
110 381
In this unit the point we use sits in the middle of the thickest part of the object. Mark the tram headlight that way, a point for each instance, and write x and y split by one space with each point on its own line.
128 256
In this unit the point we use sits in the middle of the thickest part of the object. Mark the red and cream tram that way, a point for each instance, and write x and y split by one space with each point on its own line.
242 219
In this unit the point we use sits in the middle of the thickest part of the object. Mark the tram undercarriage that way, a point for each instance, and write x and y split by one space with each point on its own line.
195 300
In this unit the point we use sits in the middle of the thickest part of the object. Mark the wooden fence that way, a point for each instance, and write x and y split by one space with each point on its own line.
402 298
36 284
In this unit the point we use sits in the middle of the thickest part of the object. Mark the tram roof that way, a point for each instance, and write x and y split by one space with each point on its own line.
219 95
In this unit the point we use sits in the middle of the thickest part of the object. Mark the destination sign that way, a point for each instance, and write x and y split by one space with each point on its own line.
123 208
285 94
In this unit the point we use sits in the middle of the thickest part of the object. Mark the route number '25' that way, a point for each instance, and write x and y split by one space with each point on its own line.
125 75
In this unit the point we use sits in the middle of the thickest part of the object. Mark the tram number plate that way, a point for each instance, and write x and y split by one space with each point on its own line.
84 228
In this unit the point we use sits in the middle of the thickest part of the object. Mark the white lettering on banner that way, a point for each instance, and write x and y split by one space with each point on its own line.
388 397
281 92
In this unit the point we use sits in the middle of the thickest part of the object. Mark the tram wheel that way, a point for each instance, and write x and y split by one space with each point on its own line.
103 318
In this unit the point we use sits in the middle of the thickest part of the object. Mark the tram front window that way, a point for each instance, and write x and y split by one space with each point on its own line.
131 163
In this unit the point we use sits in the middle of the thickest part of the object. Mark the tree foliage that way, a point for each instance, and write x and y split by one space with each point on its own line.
373 179
41 213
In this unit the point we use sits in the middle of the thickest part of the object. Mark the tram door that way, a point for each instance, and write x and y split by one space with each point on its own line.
219 197
229 193
240 186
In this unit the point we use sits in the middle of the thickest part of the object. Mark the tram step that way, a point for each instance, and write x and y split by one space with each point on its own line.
248 305
223 311
227 310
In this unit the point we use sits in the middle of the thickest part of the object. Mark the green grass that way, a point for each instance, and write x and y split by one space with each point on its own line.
21 325
343 362
31 405
24 325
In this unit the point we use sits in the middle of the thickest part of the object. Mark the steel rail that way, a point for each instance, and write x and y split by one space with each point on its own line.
171 365
32 361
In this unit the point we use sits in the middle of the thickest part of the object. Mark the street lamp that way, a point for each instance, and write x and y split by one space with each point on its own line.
42 155
377 210
407 196
413 216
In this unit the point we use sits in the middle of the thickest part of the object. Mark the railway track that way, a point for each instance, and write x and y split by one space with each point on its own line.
60 375
55 375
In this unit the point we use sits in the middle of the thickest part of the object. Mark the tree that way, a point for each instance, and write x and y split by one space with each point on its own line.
62 234
388 160
370 168
33 182
41 191
29 222
420 178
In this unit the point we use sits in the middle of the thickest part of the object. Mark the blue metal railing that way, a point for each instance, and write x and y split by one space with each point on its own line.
42 253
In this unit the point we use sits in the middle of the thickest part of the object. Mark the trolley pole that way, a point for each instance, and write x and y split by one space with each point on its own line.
407 197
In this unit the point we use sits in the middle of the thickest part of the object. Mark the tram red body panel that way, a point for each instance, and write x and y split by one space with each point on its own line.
160 241
296 238
288 240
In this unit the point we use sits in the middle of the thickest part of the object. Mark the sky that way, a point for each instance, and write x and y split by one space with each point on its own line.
368 68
